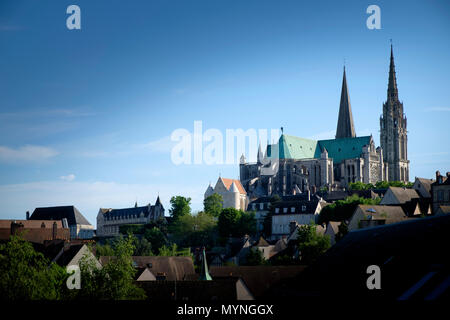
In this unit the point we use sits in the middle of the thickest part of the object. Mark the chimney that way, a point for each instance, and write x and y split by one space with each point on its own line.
438 174
15 227
28 215
54 231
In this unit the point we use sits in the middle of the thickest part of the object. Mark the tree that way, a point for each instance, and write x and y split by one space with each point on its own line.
27 274
267 223
213 204
342 231
142 247
180 206
115 280
254 257
195 230
311 244
360 186
343 209
236 223
156 238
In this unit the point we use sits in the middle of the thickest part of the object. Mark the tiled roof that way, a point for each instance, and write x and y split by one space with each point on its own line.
126 212
404 194
32 224
391 214
175 268
229 182
71 213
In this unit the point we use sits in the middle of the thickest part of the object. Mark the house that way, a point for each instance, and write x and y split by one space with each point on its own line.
36 231
440 192
79 227
152 268
303 211
232 192
423 186
398 196
71 254
366 216
331 230
109 220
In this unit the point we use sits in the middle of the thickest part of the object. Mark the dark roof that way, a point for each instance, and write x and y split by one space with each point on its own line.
71 213
405 252
258 279
68 254
175 268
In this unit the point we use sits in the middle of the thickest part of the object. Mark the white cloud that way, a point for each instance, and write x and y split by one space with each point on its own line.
69 177
27 153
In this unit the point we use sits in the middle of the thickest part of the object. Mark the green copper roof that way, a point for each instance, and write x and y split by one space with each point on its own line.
344 148
291 147
297 148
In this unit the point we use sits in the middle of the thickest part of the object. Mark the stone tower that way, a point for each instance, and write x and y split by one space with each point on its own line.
345 127
393 133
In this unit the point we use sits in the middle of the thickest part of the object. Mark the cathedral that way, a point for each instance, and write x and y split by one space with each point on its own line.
295 165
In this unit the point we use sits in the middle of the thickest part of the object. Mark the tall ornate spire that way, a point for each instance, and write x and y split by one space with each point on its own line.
392 86
345 127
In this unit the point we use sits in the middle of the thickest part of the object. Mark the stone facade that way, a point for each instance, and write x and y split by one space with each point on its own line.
440 192
109 220
393 132
232 192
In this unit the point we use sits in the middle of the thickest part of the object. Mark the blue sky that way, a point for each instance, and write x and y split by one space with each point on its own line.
86 115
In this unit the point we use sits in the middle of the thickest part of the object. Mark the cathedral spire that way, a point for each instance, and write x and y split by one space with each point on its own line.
392 86
345 127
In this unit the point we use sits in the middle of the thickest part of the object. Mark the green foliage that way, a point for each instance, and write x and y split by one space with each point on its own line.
27 274
343 209
387 184
115 280
195 230
311 244
284 260
156 238
236 223
142 247
213 204
132 228
379 185
181 206
172 251
360 186
254 257
342 231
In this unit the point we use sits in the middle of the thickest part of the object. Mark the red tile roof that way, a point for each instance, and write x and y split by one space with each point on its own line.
229 182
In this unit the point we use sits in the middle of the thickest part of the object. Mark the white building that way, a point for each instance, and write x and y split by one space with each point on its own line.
232 192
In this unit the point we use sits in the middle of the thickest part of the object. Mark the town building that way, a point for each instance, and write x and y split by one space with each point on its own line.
295 164
36 231
109 220
232 192
366 216
440 192
79 226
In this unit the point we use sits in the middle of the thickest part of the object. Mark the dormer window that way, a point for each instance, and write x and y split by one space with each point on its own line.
277 210
285 210
303 208
292 209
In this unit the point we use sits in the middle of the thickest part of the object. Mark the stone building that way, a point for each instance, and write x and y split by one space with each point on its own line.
294 165
109 220
440 192
79 226
232 192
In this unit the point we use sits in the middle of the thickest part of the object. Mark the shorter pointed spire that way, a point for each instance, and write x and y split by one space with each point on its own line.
345 127
392 85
